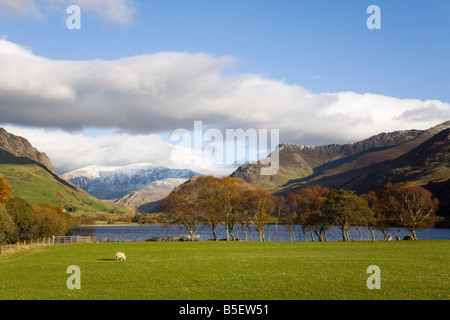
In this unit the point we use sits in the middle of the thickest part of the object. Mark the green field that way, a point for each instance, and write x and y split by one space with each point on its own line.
230 270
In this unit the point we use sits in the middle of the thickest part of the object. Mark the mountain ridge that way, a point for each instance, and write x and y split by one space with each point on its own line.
299 161
116 182
21 147
302 166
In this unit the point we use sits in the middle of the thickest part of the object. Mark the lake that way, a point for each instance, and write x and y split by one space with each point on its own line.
127 233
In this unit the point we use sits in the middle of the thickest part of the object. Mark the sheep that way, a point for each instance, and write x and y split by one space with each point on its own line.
120 256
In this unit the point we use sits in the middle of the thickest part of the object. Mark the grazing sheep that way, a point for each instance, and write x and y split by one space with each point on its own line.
120 256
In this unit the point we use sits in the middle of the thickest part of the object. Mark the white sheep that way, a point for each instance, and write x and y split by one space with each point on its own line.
120 256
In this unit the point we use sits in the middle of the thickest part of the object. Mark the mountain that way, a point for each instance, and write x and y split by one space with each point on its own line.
299 161
420 156
21 147
110 183
32 177
147 198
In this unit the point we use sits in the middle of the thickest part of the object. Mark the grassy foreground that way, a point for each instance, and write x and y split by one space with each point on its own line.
230 270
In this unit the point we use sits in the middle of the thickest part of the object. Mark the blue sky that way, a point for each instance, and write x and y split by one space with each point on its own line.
311 69
324 46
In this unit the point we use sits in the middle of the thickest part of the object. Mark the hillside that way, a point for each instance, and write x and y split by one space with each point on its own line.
36 183
420 157
149 197
422 160
299 163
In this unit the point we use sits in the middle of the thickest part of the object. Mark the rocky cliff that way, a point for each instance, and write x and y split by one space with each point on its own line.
21 147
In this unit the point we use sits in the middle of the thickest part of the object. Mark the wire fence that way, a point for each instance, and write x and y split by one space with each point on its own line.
24 244
47 241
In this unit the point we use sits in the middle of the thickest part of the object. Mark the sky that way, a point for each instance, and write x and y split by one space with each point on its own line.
114 91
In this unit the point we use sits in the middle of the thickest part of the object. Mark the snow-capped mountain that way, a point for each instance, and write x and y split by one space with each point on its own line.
107 183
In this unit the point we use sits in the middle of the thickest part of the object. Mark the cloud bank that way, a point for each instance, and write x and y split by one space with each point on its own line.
149 94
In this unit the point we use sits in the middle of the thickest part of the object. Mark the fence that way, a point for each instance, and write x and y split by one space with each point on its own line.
25 244
55 240
71 239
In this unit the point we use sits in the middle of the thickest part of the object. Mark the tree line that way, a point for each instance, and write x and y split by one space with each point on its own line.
213 201
232 202
19 220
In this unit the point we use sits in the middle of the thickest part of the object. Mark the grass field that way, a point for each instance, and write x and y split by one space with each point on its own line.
417 270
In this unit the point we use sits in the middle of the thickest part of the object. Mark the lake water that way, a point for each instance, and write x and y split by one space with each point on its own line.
144 232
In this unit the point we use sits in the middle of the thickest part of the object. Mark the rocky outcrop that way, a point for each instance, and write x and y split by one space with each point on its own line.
21 147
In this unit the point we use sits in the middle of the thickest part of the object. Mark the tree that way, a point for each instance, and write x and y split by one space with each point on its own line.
314 215
244 219
49 220
365 218
5 190
21 211
8 229
344 208
382 218
292 216
413 206
280 208
181 207
230 202
308 208
259 204
209 201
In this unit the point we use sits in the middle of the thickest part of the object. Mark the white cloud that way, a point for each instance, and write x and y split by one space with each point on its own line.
73 150
121 12
150 94
26 8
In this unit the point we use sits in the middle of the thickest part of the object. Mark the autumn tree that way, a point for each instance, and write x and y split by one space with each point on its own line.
244 218
230 202
21 211
259 204
50 220
291 216
5 190
413 206
314 215
382 217
209 201
280 208
181 207
8 229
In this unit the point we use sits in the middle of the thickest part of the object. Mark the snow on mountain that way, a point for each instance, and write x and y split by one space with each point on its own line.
109 183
